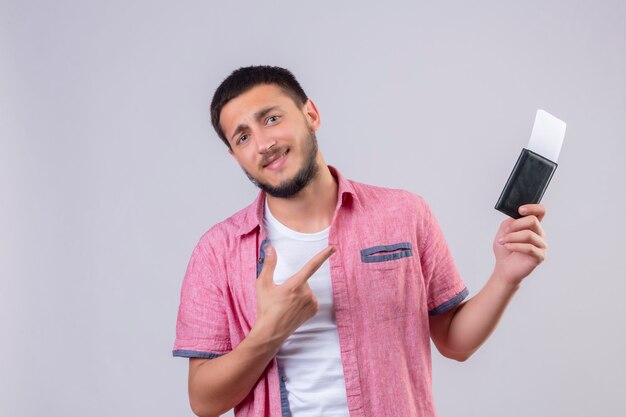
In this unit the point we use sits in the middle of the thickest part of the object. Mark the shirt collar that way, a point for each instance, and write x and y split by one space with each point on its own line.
253 216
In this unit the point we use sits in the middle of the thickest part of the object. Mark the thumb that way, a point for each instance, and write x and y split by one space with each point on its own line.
269 265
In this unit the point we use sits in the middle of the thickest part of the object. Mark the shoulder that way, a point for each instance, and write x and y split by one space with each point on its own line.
224 234
383 198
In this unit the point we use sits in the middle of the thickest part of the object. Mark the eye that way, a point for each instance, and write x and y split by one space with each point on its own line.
272 119
241 139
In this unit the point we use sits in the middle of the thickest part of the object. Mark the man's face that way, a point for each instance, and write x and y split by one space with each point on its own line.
272 139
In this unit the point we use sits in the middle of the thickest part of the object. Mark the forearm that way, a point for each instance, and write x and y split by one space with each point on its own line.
217 385
519 247
475 320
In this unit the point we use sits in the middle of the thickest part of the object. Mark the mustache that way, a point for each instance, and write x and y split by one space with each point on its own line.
271 154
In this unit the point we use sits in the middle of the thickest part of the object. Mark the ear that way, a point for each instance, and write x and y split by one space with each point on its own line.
312 115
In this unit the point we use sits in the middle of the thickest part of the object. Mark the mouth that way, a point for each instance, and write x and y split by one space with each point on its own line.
275 159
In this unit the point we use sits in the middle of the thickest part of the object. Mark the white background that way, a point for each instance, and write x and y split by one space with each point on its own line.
110 172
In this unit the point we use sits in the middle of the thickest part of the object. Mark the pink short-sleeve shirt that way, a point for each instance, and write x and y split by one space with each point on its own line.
392 269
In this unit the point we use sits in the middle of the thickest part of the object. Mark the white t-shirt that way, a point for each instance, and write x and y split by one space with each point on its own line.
310 358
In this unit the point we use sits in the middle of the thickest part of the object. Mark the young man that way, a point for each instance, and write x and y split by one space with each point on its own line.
320 298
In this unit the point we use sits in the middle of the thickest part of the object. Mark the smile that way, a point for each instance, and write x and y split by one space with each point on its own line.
276 160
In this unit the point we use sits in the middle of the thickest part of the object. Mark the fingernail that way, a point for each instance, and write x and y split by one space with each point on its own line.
269 251
500 239
523 210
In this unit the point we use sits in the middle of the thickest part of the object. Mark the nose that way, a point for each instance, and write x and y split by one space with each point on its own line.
264 142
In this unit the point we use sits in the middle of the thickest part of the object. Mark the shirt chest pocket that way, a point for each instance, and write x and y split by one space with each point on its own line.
382 256
387 281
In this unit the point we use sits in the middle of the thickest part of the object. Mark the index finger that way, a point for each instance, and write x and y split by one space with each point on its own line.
538 210
311 266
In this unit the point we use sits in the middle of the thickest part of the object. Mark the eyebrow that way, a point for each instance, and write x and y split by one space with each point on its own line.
258 115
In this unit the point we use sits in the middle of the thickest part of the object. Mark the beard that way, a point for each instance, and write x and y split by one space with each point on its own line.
290 187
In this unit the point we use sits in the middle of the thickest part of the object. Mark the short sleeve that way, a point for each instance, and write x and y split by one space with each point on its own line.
202 326
444 286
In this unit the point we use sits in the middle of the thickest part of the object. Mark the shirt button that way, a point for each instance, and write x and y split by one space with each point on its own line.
260 260
283 378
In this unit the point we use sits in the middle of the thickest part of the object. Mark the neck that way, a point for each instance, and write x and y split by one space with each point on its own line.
312 209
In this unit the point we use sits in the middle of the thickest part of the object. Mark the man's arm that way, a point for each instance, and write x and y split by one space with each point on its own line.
217 385
519 247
